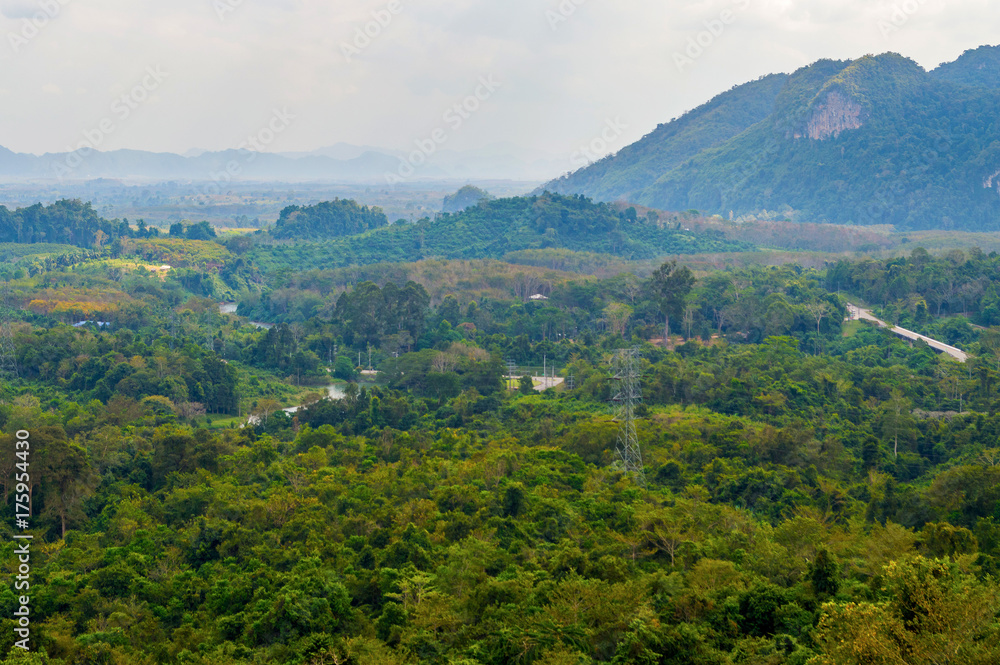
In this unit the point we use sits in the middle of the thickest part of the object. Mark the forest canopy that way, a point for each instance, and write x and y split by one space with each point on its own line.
329 219
416 463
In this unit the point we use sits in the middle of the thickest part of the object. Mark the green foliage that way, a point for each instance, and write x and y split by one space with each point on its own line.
976 67
437 517
635 167
465 197
495 228
329 219
930 612
777 145
69 222
199 231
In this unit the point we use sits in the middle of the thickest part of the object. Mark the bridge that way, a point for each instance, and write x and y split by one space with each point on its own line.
855 313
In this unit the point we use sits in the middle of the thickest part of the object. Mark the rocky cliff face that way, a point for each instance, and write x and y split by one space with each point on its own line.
988 182
835 114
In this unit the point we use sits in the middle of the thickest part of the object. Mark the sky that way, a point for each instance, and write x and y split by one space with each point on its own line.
538 76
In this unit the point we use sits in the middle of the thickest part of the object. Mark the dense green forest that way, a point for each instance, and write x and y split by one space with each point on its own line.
818 491
69 222
494 228
919 151
329 219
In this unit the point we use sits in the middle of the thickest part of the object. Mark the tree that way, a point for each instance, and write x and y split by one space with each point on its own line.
617 315
670 285
200 231
824 574
819 311
896 419
67 478
934 614
265 408
689 320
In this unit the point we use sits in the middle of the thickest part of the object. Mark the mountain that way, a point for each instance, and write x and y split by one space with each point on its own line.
465 197
639 165
219 167
341 162
978 68
877 140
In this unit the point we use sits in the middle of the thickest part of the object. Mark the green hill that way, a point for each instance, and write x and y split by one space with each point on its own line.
329 219
872 141
494 228
979 68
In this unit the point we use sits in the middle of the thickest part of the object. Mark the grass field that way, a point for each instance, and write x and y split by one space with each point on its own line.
10 251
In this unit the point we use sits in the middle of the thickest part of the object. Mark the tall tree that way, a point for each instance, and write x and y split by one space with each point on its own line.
670 285
67 477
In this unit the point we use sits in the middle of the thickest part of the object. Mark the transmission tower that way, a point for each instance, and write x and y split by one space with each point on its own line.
8 361
626 367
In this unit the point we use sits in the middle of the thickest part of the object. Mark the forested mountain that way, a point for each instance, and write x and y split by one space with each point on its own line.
872 141
979 68
639 165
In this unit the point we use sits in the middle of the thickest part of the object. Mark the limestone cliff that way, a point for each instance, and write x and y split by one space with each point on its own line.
835 114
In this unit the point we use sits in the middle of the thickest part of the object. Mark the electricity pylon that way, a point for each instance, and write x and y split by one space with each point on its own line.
626 367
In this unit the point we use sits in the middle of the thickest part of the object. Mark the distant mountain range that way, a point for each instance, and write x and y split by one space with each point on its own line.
877 140
340 163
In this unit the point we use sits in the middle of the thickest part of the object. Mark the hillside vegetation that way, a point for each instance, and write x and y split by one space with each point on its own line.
494 228
799 495
329 219
872 141
816 491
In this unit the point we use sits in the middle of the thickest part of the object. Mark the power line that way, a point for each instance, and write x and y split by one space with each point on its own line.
626 368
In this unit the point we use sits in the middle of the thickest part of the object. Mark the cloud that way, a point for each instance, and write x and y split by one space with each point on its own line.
560 85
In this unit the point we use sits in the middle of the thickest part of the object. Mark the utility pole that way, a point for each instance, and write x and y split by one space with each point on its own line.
626 367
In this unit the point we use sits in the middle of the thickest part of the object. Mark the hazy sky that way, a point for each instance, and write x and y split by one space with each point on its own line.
208 73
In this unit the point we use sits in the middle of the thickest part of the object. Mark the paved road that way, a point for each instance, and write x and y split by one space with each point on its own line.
856 313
